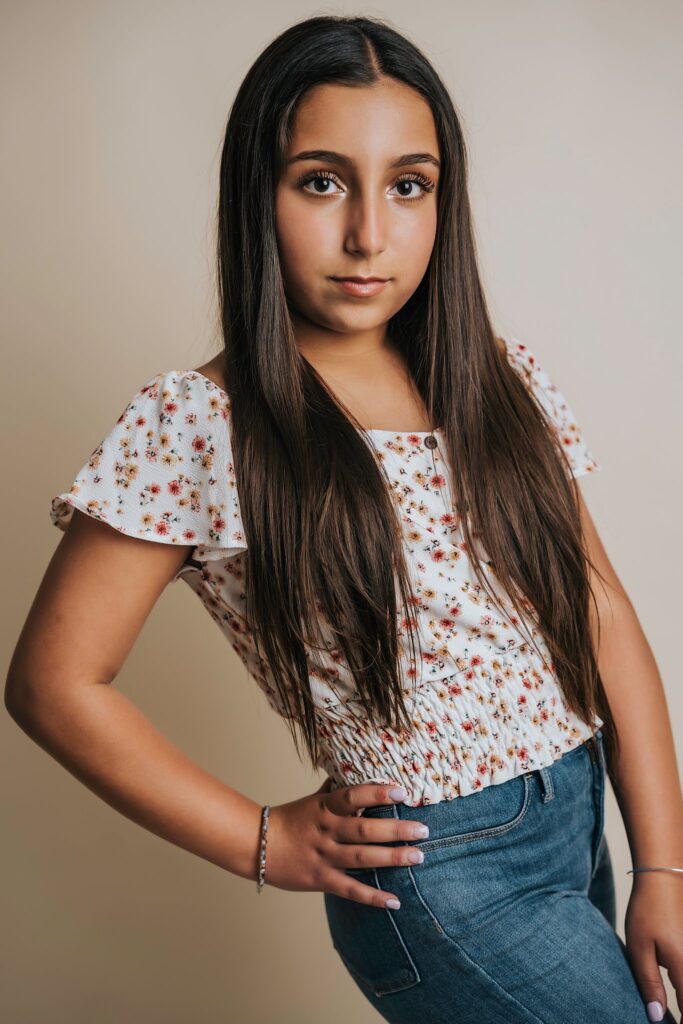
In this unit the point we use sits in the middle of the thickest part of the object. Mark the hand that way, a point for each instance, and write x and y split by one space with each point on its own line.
654 934
312 840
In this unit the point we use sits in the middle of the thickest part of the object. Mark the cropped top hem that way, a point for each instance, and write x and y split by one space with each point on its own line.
504 717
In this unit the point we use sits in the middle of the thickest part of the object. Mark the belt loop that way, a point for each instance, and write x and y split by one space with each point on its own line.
546 783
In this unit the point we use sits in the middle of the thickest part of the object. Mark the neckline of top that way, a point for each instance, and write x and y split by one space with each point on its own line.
366 430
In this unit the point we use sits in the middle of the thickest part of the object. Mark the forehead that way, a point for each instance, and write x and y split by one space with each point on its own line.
386 117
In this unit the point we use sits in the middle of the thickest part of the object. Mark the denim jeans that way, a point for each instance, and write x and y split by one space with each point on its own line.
510 919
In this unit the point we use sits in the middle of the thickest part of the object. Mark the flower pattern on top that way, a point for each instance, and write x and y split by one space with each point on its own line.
485 705
164 472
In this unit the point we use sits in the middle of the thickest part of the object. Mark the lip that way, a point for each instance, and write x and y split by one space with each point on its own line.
361 285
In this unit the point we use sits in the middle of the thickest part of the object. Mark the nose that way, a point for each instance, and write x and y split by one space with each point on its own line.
366 225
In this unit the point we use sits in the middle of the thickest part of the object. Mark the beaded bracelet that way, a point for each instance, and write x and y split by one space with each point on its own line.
262 849
633 870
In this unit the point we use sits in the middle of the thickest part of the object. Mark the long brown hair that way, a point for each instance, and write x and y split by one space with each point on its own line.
325 556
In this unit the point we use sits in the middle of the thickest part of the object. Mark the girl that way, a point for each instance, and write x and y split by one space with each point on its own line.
374 496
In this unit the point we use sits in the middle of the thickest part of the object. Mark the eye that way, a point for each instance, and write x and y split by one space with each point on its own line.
317 176
413 178
327 177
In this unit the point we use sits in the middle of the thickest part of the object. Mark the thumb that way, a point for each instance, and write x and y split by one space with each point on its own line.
646 971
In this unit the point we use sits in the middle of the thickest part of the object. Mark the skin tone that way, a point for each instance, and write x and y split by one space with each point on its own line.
358 214
101 585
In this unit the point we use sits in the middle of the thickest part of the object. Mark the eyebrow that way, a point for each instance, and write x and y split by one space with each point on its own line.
339 158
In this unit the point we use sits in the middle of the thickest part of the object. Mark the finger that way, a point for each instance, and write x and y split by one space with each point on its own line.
350 889
643 961
365 857
350 800
671 959
376 830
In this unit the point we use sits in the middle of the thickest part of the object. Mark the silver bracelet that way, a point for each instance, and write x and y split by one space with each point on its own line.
261 881
633 870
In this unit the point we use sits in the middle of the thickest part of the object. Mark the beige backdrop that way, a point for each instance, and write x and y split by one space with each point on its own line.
113 117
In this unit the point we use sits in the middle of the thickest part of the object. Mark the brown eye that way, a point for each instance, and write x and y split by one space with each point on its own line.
426 184
318 176
326 177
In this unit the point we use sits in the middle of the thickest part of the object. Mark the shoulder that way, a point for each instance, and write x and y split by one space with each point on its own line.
554 404
181 392
177 418
214 371
519 355
525 362
164 470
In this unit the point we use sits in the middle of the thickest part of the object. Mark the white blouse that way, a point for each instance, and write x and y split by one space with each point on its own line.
485 707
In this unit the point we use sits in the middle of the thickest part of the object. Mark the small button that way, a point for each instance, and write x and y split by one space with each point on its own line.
430 441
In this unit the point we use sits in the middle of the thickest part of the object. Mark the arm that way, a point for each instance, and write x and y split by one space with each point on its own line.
645 780
97 592
636 698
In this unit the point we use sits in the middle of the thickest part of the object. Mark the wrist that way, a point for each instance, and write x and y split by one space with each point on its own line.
668 879
658 849
244 837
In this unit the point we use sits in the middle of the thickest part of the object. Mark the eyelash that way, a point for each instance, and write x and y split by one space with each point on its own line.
426 183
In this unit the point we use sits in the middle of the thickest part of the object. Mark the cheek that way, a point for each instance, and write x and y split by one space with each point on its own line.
412 244
414 238
303 239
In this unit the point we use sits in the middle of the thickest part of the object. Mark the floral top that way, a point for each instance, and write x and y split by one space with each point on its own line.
485 707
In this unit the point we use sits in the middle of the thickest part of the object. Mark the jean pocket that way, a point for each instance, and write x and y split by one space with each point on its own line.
369 942
494 810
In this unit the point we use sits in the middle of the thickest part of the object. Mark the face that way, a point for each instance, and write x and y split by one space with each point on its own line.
364 206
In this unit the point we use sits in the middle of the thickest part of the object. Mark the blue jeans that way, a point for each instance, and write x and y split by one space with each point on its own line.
510 919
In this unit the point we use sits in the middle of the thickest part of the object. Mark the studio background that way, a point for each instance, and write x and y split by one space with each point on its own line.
112 121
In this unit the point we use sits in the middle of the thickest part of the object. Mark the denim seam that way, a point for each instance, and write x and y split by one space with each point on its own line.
408 966
465 954
495 830
378 990
392 920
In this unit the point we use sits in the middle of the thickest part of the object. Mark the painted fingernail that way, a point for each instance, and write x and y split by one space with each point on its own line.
416 856
655 1011
422 831
393 904
398 793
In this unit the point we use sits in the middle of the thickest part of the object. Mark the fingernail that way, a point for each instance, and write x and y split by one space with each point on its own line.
655 1011
398 793
393 904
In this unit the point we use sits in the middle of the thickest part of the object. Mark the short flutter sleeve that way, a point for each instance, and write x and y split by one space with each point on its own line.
164 471
522 359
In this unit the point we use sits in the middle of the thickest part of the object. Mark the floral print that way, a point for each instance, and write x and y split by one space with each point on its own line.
164 472
485 704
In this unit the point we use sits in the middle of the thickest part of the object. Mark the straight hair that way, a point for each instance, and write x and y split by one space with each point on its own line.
325 567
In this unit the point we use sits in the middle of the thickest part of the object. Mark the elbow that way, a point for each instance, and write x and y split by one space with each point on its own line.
40 705
20 702
31 705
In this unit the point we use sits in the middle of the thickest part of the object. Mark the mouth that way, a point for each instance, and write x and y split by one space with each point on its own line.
361 286
362 280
